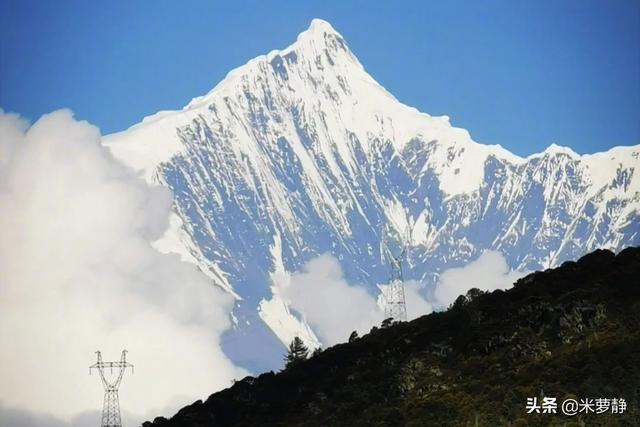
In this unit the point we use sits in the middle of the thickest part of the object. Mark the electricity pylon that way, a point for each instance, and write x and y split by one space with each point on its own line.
395 305
111 405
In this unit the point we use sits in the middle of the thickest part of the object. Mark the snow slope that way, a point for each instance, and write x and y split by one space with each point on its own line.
301 152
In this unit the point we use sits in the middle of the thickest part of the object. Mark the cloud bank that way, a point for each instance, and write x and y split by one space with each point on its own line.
78 274
488 273
333 308
328 303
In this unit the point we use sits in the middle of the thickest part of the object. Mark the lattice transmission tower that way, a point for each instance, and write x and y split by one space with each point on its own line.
111 405
395 306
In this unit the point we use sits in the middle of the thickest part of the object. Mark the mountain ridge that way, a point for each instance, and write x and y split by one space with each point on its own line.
316 25
301 152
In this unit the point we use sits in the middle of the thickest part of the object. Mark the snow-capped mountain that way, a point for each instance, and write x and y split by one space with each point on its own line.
301 152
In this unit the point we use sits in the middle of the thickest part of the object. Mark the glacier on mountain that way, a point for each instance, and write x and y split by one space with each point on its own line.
301 152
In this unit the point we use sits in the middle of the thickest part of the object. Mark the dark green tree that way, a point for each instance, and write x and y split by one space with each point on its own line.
474 293
297 352
387 322
353 336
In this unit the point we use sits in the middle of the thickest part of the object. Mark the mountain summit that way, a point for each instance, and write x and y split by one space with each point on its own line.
301 152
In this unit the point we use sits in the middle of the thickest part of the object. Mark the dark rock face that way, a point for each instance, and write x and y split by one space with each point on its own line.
573 331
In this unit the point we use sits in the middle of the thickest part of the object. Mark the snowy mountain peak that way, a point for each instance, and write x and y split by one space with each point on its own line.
321 44
320 25
317 49
301 152
318 30
321 37
559 149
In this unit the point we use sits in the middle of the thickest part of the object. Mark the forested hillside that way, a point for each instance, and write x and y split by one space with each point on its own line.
569 332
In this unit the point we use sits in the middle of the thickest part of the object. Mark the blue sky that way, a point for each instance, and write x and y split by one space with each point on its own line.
522 74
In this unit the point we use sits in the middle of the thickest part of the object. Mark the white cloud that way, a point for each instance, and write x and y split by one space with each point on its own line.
417 304
332 307
78 274
488 273
320 295
328 303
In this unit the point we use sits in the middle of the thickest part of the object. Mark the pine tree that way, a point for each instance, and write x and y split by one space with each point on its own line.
297 352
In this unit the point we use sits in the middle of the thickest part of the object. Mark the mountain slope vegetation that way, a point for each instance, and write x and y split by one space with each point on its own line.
568 332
